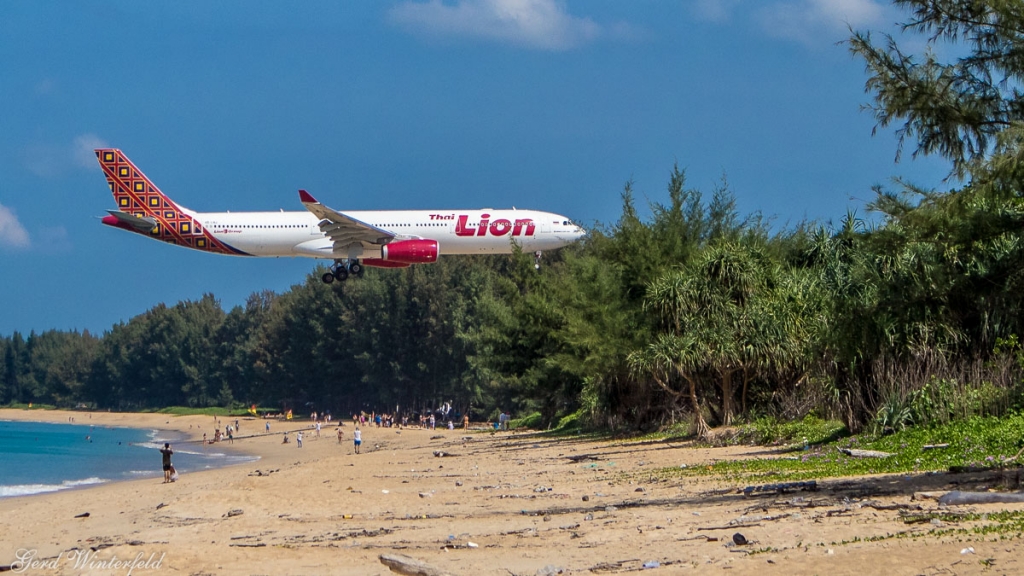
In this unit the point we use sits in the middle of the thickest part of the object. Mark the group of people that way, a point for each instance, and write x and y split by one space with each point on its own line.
427 421
357 436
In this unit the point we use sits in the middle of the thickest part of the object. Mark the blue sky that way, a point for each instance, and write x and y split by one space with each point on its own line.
406 105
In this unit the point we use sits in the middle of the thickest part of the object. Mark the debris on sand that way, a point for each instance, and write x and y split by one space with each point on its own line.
958 498
809 485
409 566
854 452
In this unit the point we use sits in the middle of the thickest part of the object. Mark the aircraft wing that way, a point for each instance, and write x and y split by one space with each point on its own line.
344 230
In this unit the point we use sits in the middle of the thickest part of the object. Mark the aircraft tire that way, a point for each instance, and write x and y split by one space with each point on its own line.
341 274
327 278
356 269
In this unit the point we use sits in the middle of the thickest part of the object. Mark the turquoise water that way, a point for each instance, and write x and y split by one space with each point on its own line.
37 458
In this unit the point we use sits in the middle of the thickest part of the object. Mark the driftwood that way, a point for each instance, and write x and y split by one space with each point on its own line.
854 452
409 566
896 506
957 498
934 446
730 527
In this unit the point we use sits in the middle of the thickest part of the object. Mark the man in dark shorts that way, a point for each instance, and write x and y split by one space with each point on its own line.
166 451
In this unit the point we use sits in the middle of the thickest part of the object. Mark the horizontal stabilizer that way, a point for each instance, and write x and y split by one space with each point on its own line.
130 222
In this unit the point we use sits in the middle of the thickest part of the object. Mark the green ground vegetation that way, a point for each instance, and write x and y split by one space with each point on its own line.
978 442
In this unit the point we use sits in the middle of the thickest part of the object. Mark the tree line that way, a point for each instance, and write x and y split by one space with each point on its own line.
680 310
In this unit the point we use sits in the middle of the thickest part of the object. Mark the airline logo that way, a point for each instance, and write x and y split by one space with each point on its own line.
499 227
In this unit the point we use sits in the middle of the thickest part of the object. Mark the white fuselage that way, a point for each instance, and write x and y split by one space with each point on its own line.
456 231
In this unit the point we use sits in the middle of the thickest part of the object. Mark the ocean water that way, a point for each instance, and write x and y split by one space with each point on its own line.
37 457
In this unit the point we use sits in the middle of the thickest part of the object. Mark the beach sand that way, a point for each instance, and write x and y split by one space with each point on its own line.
505 503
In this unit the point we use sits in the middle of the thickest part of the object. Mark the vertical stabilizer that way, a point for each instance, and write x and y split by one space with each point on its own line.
138 197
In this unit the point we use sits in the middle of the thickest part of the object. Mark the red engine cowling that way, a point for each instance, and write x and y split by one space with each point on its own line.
378 263
410 252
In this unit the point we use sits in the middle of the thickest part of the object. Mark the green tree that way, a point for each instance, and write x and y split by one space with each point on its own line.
958 106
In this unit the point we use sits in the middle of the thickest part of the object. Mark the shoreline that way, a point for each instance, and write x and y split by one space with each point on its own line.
159 427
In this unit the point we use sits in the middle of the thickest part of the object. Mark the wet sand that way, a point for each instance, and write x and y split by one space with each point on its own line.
506 503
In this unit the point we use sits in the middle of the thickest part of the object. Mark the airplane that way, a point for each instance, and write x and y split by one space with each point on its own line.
353 240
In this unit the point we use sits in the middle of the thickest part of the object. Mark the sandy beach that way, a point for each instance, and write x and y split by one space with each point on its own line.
505 503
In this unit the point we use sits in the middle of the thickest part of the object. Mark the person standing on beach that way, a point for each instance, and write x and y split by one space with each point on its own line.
340 434
357 438
166 451
298 439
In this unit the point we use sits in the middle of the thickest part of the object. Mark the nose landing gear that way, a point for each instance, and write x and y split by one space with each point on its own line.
341 271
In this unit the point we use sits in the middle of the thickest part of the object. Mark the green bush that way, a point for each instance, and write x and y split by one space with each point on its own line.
811 429
895 414
531 421
569 423
33 406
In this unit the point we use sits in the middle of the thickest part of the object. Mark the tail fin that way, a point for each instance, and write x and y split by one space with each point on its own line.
133 192
140 200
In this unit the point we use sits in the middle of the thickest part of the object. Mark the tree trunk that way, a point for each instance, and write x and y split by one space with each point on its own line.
746 381
702 427
727 395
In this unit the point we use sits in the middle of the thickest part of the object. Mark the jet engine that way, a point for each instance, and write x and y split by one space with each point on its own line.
410 252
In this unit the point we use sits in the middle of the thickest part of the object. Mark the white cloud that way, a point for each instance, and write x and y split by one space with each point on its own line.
807 21
53 240
12 233
539 24
714 10
46 87
52 161
83 150
812 20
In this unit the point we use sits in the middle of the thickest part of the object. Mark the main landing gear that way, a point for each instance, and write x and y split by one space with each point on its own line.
341 270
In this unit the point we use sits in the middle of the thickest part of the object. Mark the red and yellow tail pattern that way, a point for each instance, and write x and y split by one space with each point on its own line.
137 195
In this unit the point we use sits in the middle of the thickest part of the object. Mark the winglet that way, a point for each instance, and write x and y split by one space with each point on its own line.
306 198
